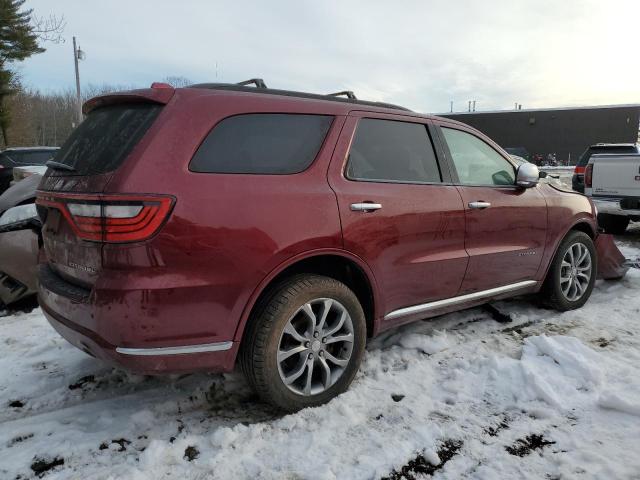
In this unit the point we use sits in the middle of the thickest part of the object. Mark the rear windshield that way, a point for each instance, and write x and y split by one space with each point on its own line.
104 139
262 143
584 158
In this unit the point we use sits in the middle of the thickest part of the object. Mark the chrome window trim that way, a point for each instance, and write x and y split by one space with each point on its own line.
201 348
425 307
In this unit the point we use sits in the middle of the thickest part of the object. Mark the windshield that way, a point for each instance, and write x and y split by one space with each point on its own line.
586 155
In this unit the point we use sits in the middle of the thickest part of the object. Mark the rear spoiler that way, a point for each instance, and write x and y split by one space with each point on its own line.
145 95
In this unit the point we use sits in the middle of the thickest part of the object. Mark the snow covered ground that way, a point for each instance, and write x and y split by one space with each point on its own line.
546 395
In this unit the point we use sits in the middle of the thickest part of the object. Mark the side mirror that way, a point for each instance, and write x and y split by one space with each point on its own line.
527 176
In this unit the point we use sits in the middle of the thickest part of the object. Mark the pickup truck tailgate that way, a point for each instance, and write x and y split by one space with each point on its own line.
616 175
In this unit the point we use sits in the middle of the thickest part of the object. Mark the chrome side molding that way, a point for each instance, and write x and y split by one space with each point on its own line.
202 348
426 307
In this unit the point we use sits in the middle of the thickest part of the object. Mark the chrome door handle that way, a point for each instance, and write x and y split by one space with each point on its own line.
365 207
479 204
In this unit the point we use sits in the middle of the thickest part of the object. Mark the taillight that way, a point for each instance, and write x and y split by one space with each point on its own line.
578 170
588 175
110 218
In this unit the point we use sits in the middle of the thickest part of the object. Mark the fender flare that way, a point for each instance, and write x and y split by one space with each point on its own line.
587 220
264 283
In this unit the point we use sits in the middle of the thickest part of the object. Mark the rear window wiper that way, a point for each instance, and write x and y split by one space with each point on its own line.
59 166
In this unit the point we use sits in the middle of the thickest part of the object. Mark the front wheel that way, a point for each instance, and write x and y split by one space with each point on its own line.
572 273
305 343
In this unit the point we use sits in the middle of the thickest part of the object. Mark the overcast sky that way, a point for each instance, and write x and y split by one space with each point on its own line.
422 54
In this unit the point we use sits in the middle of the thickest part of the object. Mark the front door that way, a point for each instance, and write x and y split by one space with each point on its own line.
397 213
506 225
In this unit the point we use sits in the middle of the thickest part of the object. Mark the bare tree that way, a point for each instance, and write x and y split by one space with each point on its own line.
49 29
21 36
177 81
48 118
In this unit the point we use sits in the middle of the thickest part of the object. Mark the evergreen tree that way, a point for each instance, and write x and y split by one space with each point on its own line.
19 35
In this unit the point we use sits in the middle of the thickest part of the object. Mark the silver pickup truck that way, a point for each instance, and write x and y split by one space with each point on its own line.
613 183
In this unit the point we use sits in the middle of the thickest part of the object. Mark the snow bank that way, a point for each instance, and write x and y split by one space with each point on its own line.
614 401
552 369
428 344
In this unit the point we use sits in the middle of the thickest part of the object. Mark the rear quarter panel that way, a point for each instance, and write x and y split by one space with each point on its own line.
226 233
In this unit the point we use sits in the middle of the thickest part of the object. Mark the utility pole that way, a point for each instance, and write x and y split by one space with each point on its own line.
78 55
451 105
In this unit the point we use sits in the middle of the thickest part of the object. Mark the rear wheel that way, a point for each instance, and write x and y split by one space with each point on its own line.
572 273
305 343
615 224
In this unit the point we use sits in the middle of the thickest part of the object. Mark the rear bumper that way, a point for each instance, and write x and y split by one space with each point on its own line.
612 206
96 324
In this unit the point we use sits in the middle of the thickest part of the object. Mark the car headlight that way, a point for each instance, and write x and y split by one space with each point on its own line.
18 217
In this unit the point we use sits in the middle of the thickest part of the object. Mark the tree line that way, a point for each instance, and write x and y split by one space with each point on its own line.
45 119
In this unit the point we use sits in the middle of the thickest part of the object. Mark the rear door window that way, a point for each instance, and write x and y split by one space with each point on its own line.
392 151
262 143
105 138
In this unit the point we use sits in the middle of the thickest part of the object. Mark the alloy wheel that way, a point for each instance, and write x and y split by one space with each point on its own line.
315 346
575 271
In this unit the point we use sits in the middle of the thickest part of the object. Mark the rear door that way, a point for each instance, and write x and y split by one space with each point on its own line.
399 212
85 163
506 225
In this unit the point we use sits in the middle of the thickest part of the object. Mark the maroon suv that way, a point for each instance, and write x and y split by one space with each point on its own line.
193 228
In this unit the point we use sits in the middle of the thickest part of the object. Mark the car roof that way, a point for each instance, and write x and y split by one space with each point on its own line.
343 105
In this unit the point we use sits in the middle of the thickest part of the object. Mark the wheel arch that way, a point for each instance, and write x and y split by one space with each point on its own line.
335 263
584 225
581 226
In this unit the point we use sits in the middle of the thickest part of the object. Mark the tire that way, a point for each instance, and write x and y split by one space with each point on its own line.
265 338
615 224
556 291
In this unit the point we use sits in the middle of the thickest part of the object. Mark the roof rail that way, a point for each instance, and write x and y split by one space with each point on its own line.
346 96
344 93
258 82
